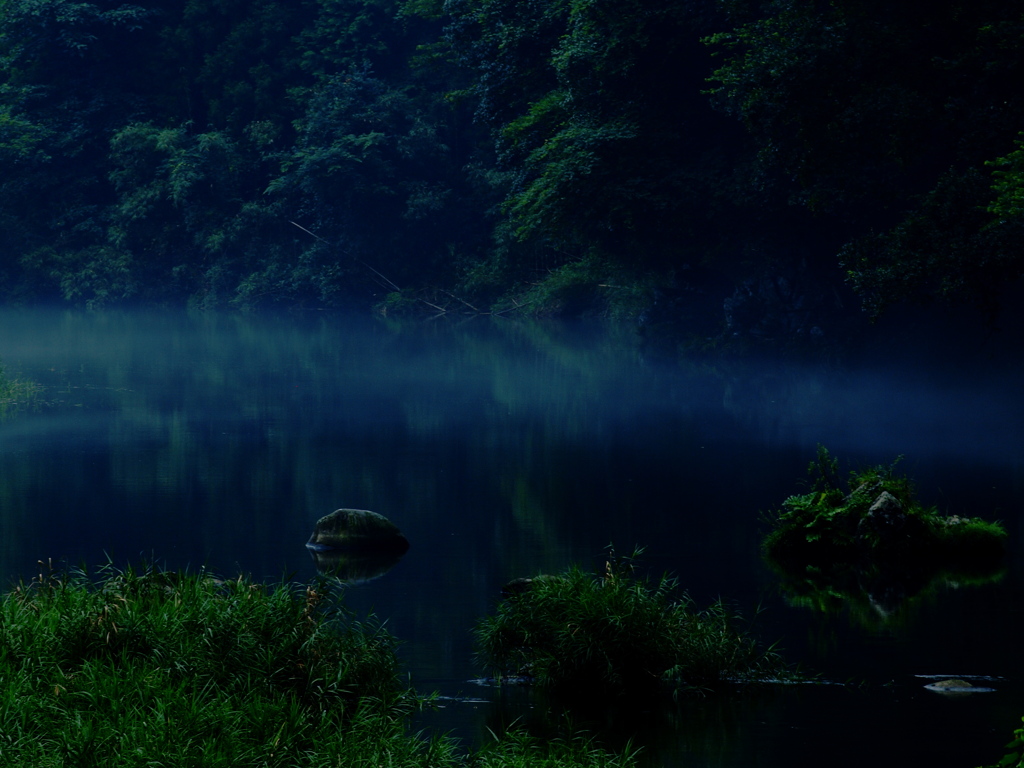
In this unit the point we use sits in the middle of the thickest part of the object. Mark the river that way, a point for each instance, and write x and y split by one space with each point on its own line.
505 448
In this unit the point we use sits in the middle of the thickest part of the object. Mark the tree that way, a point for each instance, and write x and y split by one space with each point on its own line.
161 153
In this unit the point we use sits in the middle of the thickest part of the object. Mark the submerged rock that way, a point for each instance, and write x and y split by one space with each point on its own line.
521 585
357 530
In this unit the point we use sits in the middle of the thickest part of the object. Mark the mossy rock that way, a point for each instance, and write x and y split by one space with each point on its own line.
357 529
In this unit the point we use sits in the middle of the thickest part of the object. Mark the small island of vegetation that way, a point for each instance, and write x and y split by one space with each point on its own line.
877 517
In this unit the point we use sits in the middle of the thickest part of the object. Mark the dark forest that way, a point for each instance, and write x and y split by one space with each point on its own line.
742 164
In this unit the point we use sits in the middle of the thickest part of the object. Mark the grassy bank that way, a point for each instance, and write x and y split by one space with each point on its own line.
153 668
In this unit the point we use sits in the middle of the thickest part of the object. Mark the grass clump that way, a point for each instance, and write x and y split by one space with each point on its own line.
616 633
874 515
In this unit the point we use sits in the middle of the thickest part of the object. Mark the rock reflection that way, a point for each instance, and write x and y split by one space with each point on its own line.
354 546
353 567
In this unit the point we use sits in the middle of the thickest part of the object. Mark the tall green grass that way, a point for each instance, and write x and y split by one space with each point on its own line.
148 668
145 667
616 633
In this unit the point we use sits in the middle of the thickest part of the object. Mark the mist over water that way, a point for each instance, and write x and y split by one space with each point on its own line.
505 449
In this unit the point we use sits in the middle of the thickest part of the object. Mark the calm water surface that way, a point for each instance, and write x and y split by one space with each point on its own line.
504 449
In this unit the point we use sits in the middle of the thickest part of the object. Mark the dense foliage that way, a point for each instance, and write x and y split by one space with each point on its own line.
907 120
324 152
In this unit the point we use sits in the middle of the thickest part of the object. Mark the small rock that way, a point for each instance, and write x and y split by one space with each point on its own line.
955 687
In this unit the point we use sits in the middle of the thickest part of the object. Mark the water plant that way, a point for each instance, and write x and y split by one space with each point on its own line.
617 632
875 515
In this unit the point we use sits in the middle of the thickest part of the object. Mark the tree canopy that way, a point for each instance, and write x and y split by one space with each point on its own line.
323 152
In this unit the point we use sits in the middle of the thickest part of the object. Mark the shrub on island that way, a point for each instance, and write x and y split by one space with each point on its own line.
874 516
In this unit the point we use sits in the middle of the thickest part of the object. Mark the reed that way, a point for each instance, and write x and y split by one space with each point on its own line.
617 633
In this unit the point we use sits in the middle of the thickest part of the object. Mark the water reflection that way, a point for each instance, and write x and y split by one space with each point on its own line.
502 450
354 568
876 596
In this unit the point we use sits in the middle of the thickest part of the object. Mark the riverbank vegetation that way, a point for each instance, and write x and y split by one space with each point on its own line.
154 668
714 166
875 516
616 633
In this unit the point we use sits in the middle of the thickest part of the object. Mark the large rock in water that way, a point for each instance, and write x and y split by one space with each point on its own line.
888 524
357 530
